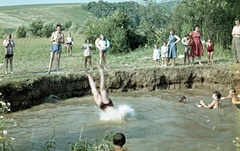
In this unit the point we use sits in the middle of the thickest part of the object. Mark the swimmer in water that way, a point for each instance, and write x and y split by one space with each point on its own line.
234 96
216 103
101 98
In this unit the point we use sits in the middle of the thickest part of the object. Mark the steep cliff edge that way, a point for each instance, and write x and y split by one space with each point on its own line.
25 93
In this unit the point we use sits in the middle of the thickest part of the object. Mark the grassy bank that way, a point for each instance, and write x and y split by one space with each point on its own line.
31 58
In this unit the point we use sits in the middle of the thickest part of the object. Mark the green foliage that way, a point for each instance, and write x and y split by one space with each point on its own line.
2 31
116 28
103 9
21 32
213 16
98 144
47 30
49 145
67 24
155 21
5 141
36 27
236 142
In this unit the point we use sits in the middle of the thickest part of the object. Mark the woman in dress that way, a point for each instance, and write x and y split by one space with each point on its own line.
172 52
197 48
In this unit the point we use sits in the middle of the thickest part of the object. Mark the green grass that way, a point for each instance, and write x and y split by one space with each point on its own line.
11 17
31 58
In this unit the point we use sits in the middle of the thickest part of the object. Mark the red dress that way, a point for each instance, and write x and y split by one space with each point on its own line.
197 48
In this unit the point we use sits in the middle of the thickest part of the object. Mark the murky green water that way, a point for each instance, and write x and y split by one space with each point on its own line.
160 123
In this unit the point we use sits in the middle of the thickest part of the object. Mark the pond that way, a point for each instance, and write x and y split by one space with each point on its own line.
157 122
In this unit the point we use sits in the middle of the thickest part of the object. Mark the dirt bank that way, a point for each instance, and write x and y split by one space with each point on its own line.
26 93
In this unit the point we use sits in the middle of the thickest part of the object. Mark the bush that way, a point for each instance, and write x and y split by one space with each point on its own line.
5 141
21 32
98 144
117 29
47 30
67 25
36 27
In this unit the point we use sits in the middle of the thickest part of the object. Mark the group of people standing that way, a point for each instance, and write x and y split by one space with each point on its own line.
192 43
57 39
193 48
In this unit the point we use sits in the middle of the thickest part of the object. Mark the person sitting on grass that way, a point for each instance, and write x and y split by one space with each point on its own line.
234 96
216 103
118 141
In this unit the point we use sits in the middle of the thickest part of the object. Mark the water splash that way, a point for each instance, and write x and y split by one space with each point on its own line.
121 113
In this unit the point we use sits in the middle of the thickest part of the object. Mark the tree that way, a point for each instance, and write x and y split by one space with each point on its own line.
47 30
213 16
36 27
156 20
116 28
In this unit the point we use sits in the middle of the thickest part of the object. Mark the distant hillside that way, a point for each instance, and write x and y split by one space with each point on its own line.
11 17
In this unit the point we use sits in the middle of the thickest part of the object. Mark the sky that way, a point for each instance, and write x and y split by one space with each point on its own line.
27 2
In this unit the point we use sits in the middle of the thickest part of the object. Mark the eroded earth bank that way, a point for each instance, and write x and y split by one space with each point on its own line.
25 93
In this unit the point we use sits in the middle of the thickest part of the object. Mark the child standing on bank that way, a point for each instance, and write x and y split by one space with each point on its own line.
187 41
156 55
164 54
8 43
87 46
69 44
210 49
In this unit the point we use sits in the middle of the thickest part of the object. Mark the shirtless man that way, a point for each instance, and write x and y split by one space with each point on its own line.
216 103
57 39
118 141
234 96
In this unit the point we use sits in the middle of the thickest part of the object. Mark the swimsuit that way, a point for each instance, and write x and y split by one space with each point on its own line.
210 48
104 106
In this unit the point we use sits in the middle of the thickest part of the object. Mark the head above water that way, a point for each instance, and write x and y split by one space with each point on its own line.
182 99
232 90
119 139
217 94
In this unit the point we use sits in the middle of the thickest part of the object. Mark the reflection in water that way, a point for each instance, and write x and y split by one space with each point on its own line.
156 122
